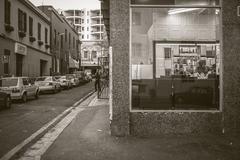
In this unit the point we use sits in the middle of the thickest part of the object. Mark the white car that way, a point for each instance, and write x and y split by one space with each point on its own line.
20 88
64 82
74 80
48 83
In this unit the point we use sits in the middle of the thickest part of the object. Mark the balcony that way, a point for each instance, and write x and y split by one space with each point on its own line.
9 28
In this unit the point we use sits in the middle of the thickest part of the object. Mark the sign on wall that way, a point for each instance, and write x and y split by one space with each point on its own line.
20 49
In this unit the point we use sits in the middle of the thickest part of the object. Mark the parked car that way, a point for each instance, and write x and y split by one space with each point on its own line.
48 83
74 80
20 88
64 82
5 100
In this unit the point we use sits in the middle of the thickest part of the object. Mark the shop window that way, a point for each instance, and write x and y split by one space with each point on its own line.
175 58
7 12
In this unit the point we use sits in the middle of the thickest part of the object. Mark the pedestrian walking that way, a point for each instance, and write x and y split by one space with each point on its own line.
97 81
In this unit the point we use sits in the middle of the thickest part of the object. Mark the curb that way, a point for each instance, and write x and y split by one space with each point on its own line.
39 133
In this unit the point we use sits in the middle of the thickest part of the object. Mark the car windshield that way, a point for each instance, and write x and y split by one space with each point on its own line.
44 79
8 82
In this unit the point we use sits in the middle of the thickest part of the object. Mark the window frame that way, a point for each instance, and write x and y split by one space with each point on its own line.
220 107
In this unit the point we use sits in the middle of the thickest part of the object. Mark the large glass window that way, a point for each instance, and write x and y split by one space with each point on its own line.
175 58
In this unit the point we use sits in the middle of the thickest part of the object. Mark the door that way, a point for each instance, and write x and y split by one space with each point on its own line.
19 64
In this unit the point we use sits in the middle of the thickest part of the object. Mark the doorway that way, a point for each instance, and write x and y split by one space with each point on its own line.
19 64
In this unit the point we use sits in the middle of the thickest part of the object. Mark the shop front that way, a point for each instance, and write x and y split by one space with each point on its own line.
167 66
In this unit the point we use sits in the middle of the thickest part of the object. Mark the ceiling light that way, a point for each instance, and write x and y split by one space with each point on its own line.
181 10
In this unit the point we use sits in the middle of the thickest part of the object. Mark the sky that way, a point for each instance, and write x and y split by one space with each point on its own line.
69 4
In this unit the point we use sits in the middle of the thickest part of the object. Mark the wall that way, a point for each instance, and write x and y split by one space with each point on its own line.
15 4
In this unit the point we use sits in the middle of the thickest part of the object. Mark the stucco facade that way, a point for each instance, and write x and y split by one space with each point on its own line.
34 53
61 29
125 121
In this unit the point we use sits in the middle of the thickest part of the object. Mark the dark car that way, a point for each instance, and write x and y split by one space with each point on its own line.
5 100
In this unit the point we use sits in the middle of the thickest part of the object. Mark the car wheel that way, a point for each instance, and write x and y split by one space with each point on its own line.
55 90
24 97
37 95
8 102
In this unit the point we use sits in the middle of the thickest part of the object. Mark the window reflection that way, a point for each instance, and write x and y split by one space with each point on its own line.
175 59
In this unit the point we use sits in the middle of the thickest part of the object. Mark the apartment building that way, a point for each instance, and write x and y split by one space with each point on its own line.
65 42
24 39
89 24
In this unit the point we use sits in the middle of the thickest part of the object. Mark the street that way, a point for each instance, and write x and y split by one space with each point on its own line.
23 119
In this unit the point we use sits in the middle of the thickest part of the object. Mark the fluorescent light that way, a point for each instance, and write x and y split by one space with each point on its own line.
181 10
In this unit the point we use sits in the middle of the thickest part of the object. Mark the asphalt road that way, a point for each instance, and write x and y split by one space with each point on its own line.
23 119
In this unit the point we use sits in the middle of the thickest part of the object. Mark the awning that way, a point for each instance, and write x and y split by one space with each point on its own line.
73 63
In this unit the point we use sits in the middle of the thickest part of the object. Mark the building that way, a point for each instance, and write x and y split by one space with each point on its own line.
24 39
90 27
175 66
65 43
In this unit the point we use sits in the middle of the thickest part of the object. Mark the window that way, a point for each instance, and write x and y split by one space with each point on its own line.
65 35
30 26
69 43
6 60
87 36
177 66
7 12
73 42
46 35
136 20
167 53
82 20
82 36
82 28
87 20
39 32
22 21
55 36
61 41
136 49
94 54
85 54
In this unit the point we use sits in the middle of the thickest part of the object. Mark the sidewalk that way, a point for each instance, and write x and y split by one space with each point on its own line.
88 138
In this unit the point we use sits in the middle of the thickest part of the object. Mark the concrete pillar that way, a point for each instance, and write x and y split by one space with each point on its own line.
119 41
231 66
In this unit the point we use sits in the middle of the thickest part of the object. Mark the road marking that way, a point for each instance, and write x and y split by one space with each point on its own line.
17 148
36 151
